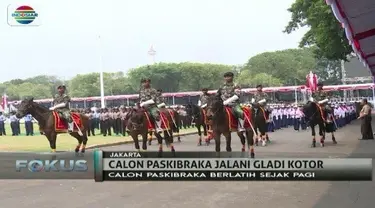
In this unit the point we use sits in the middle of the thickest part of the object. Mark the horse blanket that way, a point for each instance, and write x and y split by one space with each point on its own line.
61 125
233 122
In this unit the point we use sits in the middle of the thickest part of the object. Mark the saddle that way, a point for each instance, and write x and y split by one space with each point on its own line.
61 125
151 124
233 121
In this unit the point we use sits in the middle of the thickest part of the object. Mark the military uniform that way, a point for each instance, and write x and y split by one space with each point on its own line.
203 98
321 95
228 91
2 124
61 104
149 94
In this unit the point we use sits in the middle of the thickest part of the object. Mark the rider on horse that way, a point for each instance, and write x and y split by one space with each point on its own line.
202 102
260 97
61 104
160 98
322 99
230 94
149 99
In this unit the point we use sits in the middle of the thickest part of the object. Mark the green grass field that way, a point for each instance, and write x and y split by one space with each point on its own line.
39 143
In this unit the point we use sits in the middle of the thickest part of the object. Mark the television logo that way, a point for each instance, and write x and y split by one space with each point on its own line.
52 165
23 15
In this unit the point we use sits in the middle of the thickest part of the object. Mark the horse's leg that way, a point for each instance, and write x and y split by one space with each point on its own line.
169 137
250 142
243 140
51 136
321 134
256 134
217 135
333 138
160 142
313 144
136 140
228 139
144 141
199 134
149 138
79 140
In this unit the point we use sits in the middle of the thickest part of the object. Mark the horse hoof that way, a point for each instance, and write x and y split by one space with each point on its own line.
149 142
322 144
179 139
229 149
264 144
199 143
243 150
252 155
334 142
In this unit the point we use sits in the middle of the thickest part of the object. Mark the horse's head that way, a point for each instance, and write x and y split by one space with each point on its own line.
214 105
24 107
135 119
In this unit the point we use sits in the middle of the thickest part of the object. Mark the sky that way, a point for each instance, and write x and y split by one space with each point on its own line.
66 43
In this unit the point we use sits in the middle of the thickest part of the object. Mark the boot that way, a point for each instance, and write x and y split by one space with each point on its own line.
70 126
241 124
158 127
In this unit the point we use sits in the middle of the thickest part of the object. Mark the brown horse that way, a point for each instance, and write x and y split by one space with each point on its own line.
47 121
139 122
221 122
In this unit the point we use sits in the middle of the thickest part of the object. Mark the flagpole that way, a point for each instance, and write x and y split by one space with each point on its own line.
101 75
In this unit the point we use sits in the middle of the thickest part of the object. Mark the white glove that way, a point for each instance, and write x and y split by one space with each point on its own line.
237 91
262 101
161 105
203 106
252 100
52 108
311 99
231 99
147 102
199 103
323 101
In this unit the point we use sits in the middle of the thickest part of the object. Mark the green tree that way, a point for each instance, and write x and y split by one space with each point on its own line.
289 66
325 32
267 80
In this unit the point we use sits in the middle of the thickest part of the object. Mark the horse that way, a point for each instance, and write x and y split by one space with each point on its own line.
317 116
222 121
176 120
198 117
140 122
51 124
261 116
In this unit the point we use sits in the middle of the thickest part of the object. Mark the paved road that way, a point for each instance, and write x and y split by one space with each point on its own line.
286 143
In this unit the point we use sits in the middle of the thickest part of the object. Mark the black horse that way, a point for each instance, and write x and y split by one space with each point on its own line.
316 115
198 117
261 116
219 122
46 123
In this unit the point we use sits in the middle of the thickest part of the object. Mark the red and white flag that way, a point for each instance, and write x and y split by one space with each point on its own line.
4 102
312 81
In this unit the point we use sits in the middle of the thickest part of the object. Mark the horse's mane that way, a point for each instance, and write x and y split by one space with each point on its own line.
35 104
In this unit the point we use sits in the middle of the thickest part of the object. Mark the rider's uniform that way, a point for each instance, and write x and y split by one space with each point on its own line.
203 98
149 99
230 94
261 98
61 104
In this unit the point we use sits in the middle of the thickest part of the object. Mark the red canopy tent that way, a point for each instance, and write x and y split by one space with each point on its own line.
357 17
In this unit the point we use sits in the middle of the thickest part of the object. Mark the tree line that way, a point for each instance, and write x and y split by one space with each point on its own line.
279 68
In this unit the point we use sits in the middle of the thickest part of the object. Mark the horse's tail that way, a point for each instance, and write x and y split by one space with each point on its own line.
85 123
177 121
